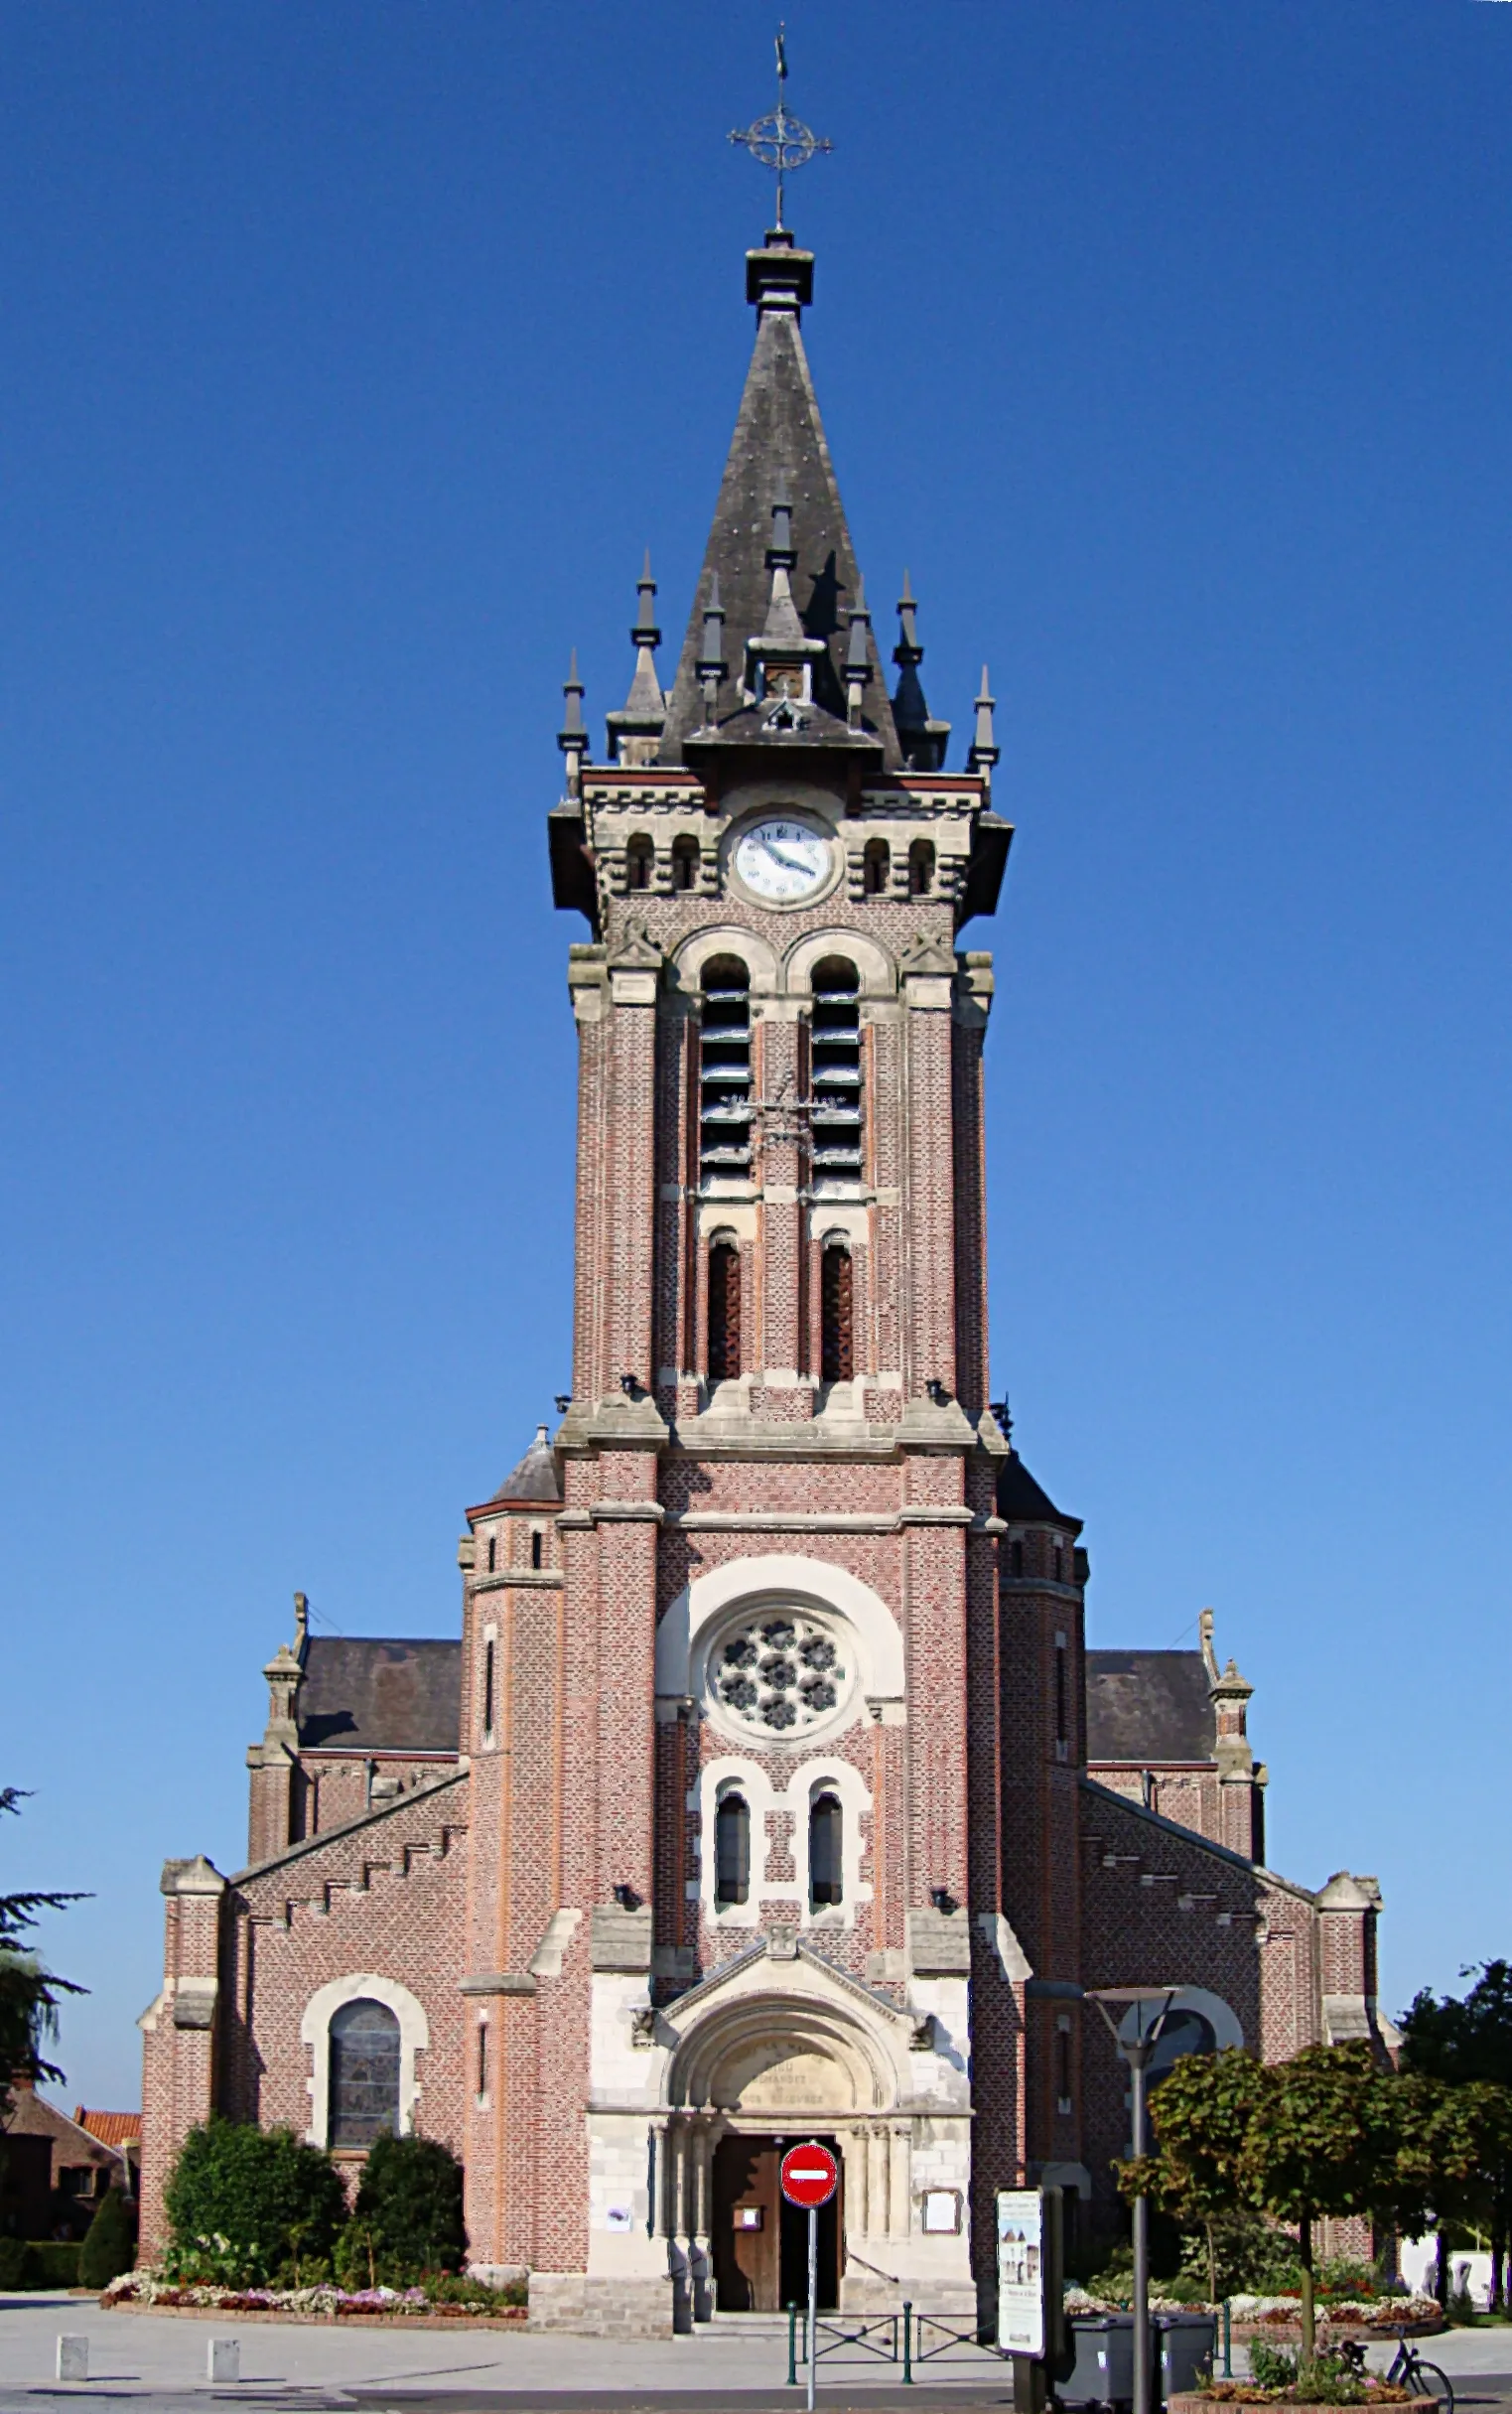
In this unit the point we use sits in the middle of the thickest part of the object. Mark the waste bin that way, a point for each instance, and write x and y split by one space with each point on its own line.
1103 2374
1182 2350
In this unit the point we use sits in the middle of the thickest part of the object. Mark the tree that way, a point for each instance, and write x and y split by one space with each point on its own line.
1322 2139
1464 2042
410 2203
109 2246
1202 2114
1453 2141
29 1993
241 2200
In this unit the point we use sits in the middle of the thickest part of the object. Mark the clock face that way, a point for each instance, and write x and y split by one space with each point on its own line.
782 860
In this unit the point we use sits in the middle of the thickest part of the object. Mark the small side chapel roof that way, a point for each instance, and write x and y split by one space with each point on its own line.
1023 1501
536 1478
1149 1709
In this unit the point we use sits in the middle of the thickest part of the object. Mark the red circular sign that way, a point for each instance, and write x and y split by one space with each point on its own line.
810 2176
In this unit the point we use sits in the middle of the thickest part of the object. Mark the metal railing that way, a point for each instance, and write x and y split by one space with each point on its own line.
907 2338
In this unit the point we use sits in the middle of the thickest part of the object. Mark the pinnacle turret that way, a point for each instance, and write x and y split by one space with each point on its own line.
921 739
634 732
984 750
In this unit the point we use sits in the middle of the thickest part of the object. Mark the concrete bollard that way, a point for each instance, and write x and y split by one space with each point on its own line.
73 2358
225 2360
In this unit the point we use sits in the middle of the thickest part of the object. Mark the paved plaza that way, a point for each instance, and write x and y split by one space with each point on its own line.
159 2362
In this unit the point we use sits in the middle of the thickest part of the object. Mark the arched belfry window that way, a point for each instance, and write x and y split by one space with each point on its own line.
638 858
825 1859
685 863
876 865
724 1308
837 1318
724 1073
835 1058
920 868
732 1849
364 2074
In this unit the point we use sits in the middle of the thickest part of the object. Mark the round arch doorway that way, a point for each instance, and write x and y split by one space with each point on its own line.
760 2241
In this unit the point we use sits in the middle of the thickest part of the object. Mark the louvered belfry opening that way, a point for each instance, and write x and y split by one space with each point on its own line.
835 1058
724 1310
724 1073
837 1322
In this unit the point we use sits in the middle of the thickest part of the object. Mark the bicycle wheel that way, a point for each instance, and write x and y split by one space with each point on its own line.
1429 2381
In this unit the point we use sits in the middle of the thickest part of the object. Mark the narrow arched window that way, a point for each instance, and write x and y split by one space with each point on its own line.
876 865
732 1850
825 1823
493 1553
1016 1556
837 1348
536 1550
835 1069
489 1686
637 863
684 863
724 1311
364 2074
920 868
724 1073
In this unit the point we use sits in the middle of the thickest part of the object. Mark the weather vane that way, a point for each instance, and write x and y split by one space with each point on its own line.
781 142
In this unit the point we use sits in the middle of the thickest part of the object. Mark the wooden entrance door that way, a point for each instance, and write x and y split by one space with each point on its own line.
748 2227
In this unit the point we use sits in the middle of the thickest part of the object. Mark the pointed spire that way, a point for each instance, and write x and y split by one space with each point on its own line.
572 737
858 658
712 665
984 750
921 739
632 733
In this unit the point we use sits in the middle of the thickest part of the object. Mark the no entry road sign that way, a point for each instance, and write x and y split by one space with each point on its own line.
810 2176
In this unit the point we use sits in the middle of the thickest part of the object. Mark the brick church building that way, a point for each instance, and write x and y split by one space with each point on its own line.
771 1790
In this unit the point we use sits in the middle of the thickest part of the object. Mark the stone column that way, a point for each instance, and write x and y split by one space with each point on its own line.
900 2179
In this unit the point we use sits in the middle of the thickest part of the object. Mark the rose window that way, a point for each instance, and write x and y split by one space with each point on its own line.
780 1674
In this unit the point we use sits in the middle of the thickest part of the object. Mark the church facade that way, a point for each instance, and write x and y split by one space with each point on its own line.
771 1790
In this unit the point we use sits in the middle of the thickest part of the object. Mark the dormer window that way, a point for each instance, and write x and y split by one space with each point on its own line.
789 679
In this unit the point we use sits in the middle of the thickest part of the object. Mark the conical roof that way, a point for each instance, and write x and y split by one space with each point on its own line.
778 435
536 1478
1023 1501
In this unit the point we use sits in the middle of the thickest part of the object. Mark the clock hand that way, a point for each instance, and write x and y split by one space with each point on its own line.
792 863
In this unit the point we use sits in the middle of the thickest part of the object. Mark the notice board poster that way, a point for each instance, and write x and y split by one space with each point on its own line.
1020 2271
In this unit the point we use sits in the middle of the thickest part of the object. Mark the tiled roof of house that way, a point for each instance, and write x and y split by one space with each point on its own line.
111 2128
376 1693
1149 1708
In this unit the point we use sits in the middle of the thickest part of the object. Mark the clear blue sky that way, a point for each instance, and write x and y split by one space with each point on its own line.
353 352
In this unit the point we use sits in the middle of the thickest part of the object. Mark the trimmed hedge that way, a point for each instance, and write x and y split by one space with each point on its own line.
38 2263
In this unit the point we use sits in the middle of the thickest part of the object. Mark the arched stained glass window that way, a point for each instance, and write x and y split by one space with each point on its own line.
732 1850
364 2074
824 1851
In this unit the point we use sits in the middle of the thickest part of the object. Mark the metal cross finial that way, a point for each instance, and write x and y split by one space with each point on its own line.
781 142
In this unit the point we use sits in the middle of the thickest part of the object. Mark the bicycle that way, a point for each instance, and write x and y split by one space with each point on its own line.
1409 2370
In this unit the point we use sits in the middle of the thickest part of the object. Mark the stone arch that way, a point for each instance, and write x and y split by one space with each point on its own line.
783 2055
771 1577
315 2032
877 971
754 952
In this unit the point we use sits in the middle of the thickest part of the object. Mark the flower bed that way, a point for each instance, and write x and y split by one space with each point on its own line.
1245 2393
143 2291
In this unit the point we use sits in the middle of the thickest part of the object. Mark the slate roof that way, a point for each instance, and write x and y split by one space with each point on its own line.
1149 1708
1025 1501
779 432
376 1693
536 1478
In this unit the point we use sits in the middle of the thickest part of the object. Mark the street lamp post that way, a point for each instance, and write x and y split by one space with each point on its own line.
1150 2007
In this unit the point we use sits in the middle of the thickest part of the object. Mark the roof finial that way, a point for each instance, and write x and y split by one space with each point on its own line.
632 733
984 750
781 142
858 657
712 665
572 737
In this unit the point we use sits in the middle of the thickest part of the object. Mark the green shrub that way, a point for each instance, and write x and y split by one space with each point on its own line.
20 2266
410 2201
454 2288
1272 2367
111 2248
58 2260
243 2202
1251 2255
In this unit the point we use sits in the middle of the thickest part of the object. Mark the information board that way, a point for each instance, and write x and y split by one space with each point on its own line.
1020 2271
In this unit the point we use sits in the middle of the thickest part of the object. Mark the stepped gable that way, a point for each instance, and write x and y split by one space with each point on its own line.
1149 1708
379 1693
778 436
